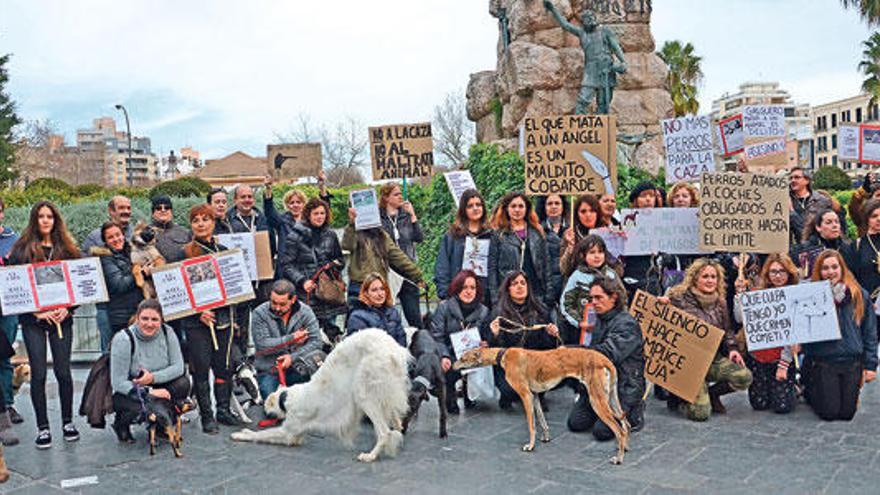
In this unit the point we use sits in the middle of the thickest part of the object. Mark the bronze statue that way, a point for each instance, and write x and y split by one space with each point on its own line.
600 47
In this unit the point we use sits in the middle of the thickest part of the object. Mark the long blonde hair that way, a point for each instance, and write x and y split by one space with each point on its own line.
693 271
846 276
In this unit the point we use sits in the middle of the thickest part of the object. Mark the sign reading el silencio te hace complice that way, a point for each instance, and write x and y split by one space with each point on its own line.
741 212
569 154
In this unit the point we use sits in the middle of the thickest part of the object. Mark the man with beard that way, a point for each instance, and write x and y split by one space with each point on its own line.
119 210
284 330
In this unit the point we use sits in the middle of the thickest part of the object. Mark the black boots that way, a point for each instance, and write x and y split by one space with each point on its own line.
223 394
715 393
206 411
636 417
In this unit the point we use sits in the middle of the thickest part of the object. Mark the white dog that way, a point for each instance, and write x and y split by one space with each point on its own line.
366 374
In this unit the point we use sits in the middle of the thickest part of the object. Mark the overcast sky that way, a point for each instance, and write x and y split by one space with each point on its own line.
223 75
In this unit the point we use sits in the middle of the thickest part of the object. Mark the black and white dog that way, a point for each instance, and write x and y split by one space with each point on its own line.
245 378
427 377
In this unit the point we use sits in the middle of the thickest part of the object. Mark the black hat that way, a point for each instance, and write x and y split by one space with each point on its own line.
639 189
161 200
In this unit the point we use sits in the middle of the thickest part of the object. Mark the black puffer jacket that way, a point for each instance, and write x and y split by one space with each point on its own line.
407 235
617 335
505 252
124 294
306 249
448 319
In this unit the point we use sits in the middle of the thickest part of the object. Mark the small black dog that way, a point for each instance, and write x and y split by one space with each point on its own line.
427 377
163 417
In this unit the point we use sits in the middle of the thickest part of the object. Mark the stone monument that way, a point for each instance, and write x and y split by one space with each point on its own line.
541 67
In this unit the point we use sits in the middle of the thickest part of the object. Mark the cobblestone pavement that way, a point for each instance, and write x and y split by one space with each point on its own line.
743 451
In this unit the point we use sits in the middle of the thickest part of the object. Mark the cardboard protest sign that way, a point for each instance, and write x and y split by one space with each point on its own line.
678 347
256 251
869 144
459 181
688 143
199 284
761 122
848 143
766 155
660 230
731 138
399 151
366 204
49 285
795 314
292 161
570 154
744 213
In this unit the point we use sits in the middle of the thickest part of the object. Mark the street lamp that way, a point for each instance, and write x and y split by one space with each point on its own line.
128 131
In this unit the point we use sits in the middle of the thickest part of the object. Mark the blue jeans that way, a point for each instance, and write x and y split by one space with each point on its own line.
102 320
9 326
268 382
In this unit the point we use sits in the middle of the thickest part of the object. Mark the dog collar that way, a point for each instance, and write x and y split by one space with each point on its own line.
500 356
424 381
282 400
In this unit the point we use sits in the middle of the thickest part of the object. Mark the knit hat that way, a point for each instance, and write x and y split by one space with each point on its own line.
161 201
639 189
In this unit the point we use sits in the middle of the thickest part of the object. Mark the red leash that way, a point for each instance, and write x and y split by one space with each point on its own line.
282 380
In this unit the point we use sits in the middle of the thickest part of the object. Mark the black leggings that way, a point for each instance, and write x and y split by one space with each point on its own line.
203 357
834 389
35 334
128 409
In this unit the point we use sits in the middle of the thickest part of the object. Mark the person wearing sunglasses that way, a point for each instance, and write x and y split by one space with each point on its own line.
170 237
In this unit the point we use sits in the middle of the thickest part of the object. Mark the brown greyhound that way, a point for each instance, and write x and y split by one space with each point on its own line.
529 372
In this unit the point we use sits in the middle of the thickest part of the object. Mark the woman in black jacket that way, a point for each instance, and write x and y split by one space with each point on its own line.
46 239
822 231
519 244
374 308
864 258
400 222
518 320
469 229
124 294
310 249
462 310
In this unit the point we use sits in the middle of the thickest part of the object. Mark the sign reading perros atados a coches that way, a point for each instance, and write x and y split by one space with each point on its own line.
569 154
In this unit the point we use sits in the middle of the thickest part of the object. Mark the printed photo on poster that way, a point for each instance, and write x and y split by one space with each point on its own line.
367 207
202 282
476 256
731 138
53 284
869 151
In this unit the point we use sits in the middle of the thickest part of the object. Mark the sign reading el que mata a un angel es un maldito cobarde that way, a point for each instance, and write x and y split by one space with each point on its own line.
678 348
744 213
400 151
569 154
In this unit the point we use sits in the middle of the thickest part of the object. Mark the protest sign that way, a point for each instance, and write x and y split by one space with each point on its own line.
400 151
678 347
465 340
730 135
869 148
52 284
459 181
660 230
688 143
292 161
367 207
744 213
570 154
795 314
848 143
476 256
766 155
202 283
614 237
761 122
255 249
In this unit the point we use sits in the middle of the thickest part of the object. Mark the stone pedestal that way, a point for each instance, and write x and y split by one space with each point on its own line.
540 73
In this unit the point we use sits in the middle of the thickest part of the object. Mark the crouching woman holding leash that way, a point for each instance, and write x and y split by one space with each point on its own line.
145 364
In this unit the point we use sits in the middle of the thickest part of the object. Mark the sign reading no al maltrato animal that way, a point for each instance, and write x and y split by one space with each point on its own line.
569 154
400 151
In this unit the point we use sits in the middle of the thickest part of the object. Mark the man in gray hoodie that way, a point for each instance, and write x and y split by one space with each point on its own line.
284 330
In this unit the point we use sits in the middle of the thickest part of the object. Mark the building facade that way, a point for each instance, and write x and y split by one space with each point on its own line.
827 119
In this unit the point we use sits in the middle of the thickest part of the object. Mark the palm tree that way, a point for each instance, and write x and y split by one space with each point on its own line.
870 67
868 9
684 76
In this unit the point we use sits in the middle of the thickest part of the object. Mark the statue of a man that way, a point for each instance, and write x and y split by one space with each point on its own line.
600 47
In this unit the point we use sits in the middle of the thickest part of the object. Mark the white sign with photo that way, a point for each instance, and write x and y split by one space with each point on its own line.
366 205
730 135
53 284
869 151
465 340
660 230
848 143
459 181
245 242
476 256
795 314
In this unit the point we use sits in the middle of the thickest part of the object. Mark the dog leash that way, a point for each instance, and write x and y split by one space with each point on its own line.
283 345
515 328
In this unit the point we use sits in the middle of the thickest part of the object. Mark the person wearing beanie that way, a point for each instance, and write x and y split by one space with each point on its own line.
644 195
170 237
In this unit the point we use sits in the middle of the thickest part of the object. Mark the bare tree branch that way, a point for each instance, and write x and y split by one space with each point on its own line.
453 132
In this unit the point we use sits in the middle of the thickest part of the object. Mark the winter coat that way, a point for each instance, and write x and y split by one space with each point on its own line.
856 212
282 224
170 239
270 331
224 314
450 259
816 244
222 226
716 314
862 262
160 354
257 222
124 294
505 253
365 261
576 293
448 319
405 233
617 335
858 342
306 251
94 239
528 339
802 210
7 239
97 395
386 318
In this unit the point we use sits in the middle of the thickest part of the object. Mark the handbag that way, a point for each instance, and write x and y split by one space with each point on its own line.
329 286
